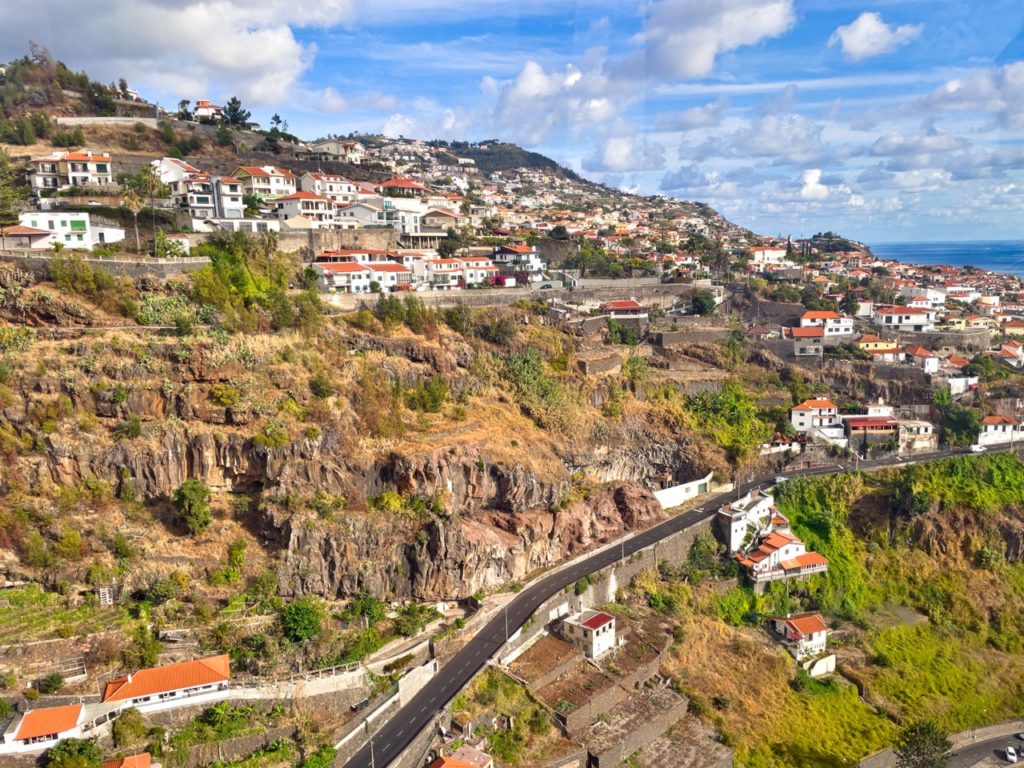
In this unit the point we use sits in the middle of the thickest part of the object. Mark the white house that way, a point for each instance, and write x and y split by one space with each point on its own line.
923 359
924 297
741 521
209 197
833 323
343 277
265 181
908 319
338 150
519 260
477 270
74 168
999 429
337 188
804 635
390 275
767 259
171 170
777 556
38 729
305 204
71 229
440 274
207 110
155 689
591 631
814 413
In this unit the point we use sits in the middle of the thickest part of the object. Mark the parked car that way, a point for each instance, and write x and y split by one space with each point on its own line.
978 449
1020 736
781 479
360 705
546 286
1011 755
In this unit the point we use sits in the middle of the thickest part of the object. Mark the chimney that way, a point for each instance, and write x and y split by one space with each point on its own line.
129 677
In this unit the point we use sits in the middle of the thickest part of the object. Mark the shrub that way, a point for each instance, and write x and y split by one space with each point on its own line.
429 396
320 385
301 619
192 500
322 758
273 436
225 395
128 728
236 553
52 683
75 753
130 428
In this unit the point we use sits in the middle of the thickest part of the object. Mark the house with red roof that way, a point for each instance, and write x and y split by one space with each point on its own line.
625 309
141 760
207 110
778 556
805 635
814 413
807 342
833 323
38 729
343 276
265 181
307 205
996 430
441 220
464 756
754 514
592 631
157 687
522 262
923 358
70 168
906 319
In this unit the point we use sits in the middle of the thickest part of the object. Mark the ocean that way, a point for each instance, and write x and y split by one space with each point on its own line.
995 255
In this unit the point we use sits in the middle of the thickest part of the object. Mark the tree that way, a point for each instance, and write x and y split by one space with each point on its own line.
223 136
849 304
301 619
703 303
11 196
132 200
276 121
75 753
183 111
559 232
192 500
234 114
52 683
923 745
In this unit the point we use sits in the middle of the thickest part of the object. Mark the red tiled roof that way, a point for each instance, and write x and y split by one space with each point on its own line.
450 762
518 248
172 677
598 620
342 266
386 266
820 315
141 760
863 422
904 311
808 405
302 196
624 304
48 721
997 420
806 623
807 333
21 229
804 561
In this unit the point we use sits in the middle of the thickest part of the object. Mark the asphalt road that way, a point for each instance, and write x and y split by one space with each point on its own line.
395 735
965 757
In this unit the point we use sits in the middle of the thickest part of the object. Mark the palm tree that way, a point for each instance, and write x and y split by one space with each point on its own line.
132 200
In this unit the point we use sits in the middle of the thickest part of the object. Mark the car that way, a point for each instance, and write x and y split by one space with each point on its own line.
359 705
978 449
546 286
781 479
1011 755
1020 736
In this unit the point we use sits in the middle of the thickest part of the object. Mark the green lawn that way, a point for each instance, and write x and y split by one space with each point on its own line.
34 614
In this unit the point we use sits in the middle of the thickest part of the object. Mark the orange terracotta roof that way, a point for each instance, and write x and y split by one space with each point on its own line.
804 561
343 266
807 333
21 229
808 405
820 315
807 623
141 760
80 156
993 420
450 762
172 677
49 721
386 266
624 304
302 196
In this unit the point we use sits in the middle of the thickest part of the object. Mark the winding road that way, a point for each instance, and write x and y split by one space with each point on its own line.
406 724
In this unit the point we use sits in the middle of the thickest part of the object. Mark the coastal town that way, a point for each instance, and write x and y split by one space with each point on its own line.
366 451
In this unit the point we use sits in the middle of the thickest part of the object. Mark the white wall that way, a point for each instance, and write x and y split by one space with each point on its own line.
677 494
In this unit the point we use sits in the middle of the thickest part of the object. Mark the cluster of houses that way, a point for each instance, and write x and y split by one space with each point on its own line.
819 419
369 270
155 689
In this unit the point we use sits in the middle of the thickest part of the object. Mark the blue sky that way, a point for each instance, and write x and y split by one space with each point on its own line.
884 120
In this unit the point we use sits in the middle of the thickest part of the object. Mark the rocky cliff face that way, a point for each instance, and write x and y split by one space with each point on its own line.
451 556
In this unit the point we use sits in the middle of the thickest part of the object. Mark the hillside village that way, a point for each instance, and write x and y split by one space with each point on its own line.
494 368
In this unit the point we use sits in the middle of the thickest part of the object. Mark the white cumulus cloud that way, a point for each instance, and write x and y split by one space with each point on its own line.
870 36
813 189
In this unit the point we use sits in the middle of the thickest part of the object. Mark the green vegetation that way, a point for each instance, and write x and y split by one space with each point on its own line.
75 753
498 693
192 500
129 728
301 619
221 721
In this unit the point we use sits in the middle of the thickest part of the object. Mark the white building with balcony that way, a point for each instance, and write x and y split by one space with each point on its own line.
906 319
591 631
265 181
73 230
64 170
316 209
814 413
520 261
